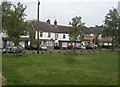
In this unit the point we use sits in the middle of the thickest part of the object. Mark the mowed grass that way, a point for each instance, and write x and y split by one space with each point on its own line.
60 69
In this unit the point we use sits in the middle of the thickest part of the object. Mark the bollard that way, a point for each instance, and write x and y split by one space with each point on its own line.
50 51
59 51
33 51
42 52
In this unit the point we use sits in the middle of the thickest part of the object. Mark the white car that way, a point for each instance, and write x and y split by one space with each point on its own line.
42 47
81 47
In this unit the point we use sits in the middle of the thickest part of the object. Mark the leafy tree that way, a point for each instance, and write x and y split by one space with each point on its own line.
76 29
111 26
14 23
31 32
119 31
0 18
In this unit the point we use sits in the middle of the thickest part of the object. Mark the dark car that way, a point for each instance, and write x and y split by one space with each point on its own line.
14 49
35 47
56 47
32 47
71 47
91 46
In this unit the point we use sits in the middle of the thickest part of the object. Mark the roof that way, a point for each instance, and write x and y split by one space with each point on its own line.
46 27
63 29
86 30
96 30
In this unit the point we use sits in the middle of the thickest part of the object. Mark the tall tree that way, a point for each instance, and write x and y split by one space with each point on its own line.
14 23
76 29
111 26
119 31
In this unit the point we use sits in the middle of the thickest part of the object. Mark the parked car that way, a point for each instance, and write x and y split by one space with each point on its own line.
13 49
81 47
91 46
56 47
35 47
43 47
32 47
7 49
72 47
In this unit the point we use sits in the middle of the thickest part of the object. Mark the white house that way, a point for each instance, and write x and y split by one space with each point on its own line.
51 35
55 35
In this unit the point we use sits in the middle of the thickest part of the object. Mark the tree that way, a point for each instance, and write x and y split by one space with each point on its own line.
111 26
119 31
14 23
76 29
31 32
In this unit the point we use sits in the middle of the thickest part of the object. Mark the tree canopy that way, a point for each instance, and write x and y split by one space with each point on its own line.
14 22
112 25
76 29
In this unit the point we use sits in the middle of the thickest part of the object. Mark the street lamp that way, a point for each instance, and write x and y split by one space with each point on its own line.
38 27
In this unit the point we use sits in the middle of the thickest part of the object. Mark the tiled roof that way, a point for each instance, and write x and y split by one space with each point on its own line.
96 30
46 27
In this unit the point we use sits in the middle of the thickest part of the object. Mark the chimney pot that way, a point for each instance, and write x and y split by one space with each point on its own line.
55 22
48 21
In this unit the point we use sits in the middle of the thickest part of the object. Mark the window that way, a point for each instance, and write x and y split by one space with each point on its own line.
64 36
49 35
56 36
48 43
41 34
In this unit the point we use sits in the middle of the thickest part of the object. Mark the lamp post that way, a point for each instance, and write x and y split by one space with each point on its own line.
38 27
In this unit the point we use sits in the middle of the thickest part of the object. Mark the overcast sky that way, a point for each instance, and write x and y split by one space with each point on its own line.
92 11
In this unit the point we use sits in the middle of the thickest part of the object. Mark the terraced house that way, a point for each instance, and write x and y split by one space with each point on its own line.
52 34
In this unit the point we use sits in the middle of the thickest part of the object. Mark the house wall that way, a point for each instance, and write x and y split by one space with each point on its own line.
60 36
45 36
1 42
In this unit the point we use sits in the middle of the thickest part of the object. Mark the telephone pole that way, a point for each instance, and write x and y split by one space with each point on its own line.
38 42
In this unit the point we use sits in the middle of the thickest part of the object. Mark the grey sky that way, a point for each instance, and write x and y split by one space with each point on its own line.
91 11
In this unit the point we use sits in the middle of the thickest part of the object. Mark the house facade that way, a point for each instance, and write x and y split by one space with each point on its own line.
52 35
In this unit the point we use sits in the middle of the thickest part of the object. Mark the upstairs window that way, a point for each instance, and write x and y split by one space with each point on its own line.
41 34
49 35
56 36
64 36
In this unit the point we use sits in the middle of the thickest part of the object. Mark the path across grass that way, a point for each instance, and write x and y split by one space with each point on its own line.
59 69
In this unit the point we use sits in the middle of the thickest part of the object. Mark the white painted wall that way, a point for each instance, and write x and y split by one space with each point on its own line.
60 36
45 36
26 36
1 42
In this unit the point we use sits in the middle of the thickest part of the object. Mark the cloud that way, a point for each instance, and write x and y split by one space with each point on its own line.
92 11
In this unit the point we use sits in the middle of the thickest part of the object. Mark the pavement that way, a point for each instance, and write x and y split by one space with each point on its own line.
0 80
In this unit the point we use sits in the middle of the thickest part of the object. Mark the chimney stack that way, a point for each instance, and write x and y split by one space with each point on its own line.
48 21
55 22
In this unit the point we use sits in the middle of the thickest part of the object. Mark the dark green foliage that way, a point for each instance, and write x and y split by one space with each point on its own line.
14 24
76 29
112 26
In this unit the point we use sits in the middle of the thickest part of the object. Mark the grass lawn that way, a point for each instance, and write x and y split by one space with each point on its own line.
59 69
